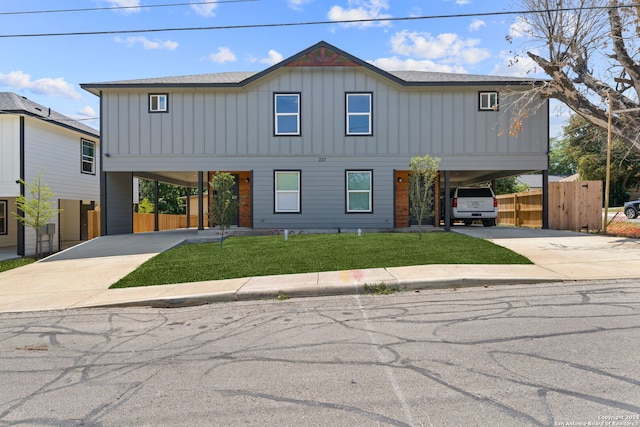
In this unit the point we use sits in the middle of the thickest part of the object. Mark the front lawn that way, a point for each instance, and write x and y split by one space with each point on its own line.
14 263
269 255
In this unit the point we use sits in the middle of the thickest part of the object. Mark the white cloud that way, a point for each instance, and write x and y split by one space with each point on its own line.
516 66
359 10
520 28
446 47
18 80
148 44
297 4
87 112
273 58
477 24
223 55
132 5
397 64
207 10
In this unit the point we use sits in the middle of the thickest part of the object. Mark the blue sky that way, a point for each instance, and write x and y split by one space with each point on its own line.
49 70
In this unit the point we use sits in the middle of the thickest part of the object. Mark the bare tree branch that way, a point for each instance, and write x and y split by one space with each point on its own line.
589 59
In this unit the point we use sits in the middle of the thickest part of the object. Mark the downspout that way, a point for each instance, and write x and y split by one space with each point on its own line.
103 178
20 242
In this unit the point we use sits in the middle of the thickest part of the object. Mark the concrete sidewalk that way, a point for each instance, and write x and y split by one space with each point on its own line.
80 276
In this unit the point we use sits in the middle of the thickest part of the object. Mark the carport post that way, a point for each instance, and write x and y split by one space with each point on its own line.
447 203
156 197
200 201
545 199
188 207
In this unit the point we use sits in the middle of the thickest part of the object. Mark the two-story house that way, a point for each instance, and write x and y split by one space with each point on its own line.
322 139
34 138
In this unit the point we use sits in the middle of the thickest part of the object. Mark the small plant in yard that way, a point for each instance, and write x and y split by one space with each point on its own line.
37 209
423 172
380 289
223 202
282 296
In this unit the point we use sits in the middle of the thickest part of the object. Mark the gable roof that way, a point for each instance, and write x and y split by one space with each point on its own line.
12 103
321 54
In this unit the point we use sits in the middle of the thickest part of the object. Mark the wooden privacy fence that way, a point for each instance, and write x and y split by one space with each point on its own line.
93 223
573 206
520 209
144 222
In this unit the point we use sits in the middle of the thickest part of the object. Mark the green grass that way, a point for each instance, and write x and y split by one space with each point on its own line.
269 255
14 263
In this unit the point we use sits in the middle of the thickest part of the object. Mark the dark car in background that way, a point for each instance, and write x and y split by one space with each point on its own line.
632 208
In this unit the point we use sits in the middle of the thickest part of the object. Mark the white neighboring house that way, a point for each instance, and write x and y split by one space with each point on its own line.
34 138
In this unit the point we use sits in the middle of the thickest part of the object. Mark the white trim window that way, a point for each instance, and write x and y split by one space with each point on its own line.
88 157
488 101
359 107
158 103
287 191
359 186
286 114
3 217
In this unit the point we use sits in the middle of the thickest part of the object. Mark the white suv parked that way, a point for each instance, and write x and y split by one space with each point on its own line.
475 203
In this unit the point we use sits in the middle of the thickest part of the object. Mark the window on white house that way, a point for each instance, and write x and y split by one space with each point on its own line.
158 103
359 191
359 117
488 101
287 191
287 113
3 217
88 157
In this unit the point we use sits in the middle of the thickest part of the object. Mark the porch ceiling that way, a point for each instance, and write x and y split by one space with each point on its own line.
457 178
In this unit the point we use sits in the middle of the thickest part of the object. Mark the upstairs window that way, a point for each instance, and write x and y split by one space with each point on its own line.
287 191
158 103
359 191
3 217
488 101
287 114
359 117
88 157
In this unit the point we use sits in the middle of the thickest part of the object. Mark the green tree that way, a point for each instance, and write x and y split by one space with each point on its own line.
36 210
422 174
560 162
223 202
169 196
509 185
145 206
586 146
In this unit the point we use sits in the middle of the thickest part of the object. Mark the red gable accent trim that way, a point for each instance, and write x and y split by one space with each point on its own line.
322 57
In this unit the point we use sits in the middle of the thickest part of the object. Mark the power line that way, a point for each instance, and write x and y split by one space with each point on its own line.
309 23
31 12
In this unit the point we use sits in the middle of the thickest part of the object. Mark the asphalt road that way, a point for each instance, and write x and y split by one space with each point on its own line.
548 354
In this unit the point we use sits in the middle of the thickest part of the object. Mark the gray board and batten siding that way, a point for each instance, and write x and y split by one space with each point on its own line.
238 122
226 122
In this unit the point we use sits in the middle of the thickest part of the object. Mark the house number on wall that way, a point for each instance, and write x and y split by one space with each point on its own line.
322 159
